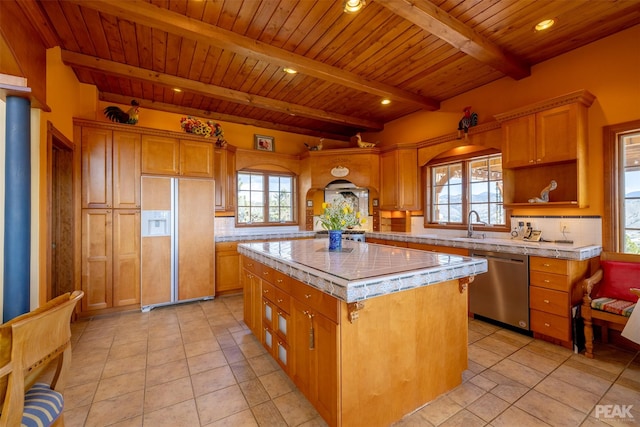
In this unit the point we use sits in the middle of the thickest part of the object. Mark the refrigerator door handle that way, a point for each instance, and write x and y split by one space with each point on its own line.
174 240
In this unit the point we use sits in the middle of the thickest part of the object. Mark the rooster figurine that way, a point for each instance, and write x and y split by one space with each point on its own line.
468 120
115 114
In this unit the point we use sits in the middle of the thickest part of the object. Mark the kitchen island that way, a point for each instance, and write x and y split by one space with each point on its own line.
368 334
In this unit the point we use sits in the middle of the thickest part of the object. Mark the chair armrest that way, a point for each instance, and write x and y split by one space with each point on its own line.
6 369
590 282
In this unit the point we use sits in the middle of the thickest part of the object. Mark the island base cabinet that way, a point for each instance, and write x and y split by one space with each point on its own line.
404 350
314 359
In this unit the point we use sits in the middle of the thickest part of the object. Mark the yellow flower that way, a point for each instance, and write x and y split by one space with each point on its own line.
339 215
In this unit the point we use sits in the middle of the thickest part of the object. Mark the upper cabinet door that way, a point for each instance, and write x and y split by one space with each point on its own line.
557 134
519 142
126 170
196 159
399 184
160 155
96 168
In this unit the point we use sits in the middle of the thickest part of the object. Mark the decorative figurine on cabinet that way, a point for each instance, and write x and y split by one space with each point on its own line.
544 194
315 147
116 114
363 144
468 120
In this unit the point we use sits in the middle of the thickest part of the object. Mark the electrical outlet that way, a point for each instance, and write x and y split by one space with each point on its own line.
564 227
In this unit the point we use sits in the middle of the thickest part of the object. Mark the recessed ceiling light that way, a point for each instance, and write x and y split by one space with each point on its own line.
177 89
289 71
385 101
544 25
352 6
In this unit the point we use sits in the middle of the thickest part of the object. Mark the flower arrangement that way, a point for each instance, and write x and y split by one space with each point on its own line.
339 215
206 129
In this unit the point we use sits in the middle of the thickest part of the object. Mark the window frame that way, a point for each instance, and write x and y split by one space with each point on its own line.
267 174
465 159
613 171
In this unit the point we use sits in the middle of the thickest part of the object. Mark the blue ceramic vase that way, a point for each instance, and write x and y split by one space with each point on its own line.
335 240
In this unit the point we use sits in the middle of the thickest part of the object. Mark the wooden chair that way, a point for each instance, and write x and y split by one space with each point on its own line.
35 339
608 295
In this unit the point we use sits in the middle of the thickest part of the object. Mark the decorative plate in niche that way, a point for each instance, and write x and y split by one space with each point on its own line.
340 171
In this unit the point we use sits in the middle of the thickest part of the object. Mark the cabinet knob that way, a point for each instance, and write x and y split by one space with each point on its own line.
279 280
265 273
531 161
279 300
539 160
546 280
547 325
547 265
266 291
546 301
307 296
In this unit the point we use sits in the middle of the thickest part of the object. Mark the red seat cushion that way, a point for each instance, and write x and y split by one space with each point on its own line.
619 277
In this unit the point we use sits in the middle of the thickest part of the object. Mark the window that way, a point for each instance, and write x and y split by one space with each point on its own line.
457 188
621 220
265 198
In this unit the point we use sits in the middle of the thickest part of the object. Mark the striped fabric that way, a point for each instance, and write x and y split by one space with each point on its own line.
615 306
42 406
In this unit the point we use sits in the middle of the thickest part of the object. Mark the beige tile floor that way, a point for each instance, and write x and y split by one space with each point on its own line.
197 365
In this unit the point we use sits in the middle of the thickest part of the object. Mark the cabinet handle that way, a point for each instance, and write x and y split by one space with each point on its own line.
310 315
250 265
265 291
547 265
307 296
531 161
546 280
539 160
265 273
546 301
279 280
547 325
279 300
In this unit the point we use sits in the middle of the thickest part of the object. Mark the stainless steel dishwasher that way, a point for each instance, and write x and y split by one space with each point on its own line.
502 293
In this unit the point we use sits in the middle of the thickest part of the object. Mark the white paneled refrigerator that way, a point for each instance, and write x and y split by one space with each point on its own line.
177 241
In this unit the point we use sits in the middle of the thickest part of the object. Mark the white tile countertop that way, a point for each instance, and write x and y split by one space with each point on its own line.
507 245
504 245
360 270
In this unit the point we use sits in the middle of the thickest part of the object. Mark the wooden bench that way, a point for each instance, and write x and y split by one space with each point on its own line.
610 295
29 344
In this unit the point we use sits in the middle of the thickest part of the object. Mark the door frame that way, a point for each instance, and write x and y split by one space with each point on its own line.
59 140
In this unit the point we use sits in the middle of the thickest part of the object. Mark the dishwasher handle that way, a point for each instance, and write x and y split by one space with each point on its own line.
498 258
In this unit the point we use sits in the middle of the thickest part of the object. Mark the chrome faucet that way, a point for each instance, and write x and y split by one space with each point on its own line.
470 224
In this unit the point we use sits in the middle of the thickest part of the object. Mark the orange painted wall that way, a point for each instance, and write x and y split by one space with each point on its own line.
608 68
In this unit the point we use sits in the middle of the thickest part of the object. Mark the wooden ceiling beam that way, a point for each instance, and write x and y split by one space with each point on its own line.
175 23
431 18
209 115
115 68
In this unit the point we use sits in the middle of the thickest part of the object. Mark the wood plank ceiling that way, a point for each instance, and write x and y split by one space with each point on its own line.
227 56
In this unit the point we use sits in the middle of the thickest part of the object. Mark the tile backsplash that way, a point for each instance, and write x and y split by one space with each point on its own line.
582 230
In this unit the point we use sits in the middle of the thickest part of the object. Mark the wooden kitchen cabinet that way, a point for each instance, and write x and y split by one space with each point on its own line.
314 355
110 168
110 258
176 157
543 142
554 288
252 293
225 177
275 321
399 184
227 268
549 136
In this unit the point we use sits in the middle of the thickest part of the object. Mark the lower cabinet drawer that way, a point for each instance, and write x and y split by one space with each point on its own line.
550 301
318 300
551 325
